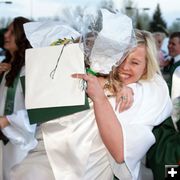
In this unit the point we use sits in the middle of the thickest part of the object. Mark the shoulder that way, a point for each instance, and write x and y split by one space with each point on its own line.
156 85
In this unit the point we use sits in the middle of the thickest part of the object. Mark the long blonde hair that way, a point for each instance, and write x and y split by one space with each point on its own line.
146 38
143 38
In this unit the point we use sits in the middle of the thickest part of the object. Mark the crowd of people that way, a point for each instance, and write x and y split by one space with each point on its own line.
133 94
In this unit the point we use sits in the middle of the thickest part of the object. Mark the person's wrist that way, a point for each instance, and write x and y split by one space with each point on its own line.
100 100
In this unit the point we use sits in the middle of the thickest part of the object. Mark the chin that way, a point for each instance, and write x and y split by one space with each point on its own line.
127 82
7 47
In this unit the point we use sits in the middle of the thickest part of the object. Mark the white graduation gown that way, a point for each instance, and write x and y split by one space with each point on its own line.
175 96
19 132
76 151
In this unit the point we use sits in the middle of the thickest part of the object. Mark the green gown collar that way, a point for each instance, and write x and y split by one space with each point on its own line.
11 91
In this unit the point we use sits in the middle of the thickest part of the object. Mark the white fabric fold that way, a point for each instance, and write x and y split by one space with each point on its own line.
42 34
74 146
175 91
175 96
20 132
74 140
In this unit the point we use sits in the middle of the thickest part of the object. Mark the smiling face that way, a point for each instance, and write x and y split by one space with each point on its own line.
174 46
9 40
134 66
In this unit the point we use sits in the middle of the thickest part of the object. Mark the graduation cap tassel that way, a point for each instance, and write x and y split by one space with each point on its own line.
52 74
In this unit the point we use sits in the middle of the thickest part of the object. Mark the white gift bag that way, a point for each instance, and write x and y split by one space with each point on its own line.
48 81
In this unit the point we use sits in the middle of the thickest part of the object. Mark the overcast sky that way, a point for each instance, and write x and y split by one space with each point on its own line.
49 8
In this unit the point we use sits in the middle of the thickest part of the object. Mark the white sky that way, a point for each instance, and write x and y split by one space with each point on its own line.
49 8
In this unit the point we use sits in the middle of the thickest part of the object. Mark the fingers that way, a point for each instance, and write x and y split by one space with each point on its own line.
80 76
124 99
87 80
4 67
118 101
86 77
126 103
93 88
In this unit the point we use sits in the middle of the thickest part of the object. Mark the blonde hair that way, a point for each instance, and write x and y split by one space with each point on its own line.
146 38
143 38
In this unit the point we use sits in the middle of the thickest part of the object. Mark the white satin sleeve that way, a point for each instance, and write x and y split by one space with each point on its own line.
152 105
20 132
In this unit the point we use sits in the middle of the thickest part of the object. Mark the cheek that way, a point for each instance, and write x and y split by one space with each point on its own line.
13 40
139 73
136 77
13 44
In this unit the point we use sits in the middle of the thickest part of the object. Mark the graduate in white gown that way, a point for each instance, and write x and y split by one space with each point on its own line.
102 142
14 122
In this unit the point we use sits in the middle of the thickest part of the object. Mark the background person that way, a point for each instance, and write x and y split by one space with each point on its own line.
14 122
159 37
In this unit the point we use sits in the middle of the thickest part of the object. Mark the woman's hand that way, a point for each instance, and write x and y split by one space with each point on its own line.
124 98
94 89
4 67
3 122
